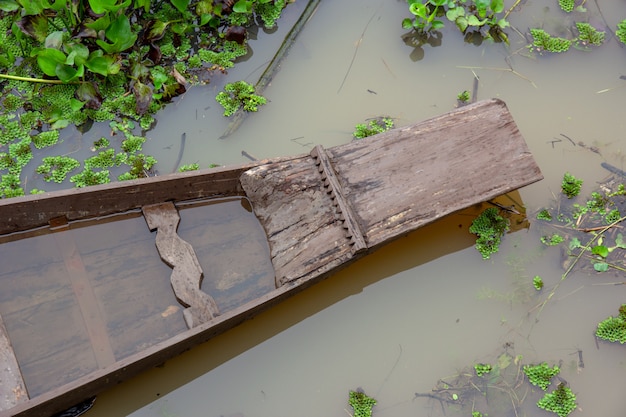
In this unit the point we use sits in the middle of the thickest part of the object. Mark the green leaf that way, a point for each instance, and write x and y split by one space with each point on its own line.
48 59
438 2
103 6
453 14
54 40
574 243
120 34
600 250
407 24
418 9
461 23
437 24
244 6
497 6
181 5
67 73
601 266
473 21
102 64
8 5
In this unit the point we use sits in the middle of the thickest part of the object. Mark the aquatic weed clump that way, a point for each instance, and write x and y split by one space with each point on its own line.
489 226
541 375
543 41
570 186
621 31
374 127
361 403
238 94
613 329
482 369
561 401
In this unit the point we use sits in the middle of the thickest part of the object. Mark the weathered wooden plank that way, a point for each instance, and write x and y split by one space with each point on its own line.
89 305
12 388
467 156
186 270
28 212
331 183
304 234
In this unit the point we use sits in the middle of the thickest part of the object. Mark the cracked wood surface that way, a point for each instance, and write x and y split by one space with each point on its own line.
391 184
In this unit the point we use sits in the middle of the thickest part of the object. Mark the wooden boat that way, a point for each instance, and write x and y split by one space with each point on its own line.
86 301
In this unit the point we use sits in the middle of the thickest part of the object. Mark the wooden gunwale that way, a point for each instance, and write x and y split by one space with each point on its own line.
421 173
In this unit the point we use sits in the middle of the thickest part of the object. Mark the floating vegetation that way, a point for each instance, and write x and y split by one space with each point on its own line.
56 168
561 401
489 226
588 35
589 229
541 375
486 18
613 329
189 167
543 41
373 127
502 390
621 31
567 5
361 403
570 186
239 94
537 282
482 369
464 97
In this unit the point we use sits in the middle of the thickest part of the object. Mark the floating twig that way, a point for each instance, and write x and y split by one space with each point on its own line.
511 70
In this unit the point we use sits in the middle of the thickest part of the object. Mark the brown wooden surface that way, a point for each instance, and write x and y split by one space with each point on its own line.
186 270
393 184
13 389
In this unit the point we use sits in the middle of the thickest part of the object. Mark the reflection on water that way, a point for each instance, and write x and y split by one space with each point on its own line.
426 306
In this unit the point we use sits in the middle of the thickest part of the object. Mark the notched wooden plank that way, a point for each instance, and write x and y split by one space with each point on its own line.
186 270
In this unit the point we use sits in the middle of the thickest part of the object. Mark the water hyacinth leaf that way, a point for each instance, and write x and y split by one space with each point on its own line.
474 21
497 6
455 13
243 6
119 32
32 7
67 73
103 6
48 59
102 64
418 9
155 29
8 5
35 26
77 54
54 40
461 23
88 93
57 5
437 24
143 96
143 3
181 5
100 24
438 2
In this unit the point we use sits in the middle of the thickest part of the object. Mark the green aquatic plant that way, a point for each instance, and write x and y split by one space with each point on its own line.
588 35
543 41
45 139
544 215
567 5
482 369
56 168
238 94
464 97
570 186
621 31
361 403
561 401
552 240
489 227
538 282
541 375
373 127
189 167
613 329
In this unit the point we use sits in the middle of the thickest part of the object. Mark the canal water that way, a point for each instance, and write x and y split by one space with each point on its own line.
426 307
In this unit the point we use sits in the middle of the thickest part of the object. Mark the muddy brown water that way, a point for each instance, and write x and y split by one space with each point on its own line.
426 306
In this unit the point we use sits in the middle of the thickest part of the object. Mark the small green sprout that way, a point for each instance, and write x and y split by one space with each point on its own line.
567 5
482 368
570 186
538 282
562 401
621 31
